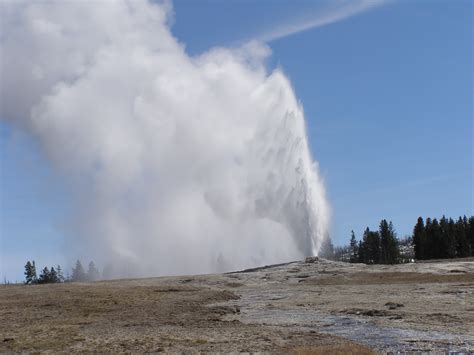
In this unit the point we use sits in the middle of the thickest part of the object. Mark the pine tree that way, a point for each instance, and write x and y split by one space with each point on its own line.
435 240
30 273
419 239
45 276
447 248
462 244
59 272
374 247
392 250
53 275
92 272
470 234
78 273
354 249
371 245
428 252
361 251
384 241
449 239
33 272
443 237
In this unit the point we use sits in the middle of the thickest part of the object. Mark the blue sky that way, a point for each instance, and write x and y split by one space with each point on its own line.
388 99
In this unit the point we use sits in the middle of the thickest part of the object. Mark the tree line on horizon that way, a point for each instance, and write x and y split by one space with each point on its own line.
432 239
376 247
55 275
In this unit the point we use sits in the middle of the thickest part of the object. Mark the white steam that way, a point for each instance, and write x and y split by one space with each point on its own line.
180 164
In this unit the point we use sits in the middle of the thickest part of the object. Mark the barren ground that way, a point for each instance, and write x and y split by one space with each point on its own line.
297 307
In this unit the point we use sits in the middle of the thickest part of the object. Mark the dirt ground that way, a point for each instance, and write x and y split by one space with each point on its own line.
304 308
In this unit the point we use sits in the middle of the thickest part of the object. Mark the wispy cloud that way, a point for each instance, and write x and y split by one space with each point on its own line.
337 11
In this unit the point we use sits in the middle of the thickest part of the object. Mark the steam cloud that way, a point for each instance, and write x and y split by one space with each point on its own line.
180 164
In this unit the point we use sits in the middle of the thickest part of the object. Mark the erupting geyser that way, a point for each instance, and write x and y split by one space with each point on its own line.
179 164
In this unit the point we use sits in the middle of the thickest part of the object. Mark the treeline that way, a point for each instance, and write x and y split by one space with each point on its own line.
432 239
376 247
55 275
46 276
445 238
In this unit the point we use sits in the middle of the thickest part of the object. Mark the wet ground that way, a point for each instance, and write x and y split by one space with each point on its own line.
298 307
411 307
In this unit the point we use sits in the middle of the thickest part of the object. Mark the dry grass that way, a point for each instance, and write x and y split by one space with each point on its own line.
134 315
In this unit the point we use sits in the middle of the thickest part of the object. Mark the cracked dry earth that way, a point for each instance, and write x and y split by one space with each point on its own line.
298 307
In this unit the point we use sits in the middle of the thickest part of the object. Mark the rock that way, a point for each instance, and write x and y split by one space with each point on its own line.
392 305
374 313
364 312
311 260
223 310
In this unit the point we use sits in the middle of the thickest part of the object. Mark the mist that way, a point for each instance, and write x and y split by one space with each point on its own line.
178 164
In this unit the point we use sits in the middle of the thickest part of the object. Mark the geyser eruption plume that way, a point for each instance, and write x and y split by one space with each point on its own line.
179 164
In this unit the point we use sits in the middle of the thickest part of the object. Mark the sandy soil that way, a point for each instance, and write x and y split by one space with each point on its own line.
298 307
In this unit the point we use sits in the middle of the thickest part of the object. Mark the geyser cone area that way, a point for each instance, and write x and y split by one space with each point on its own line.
178 163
